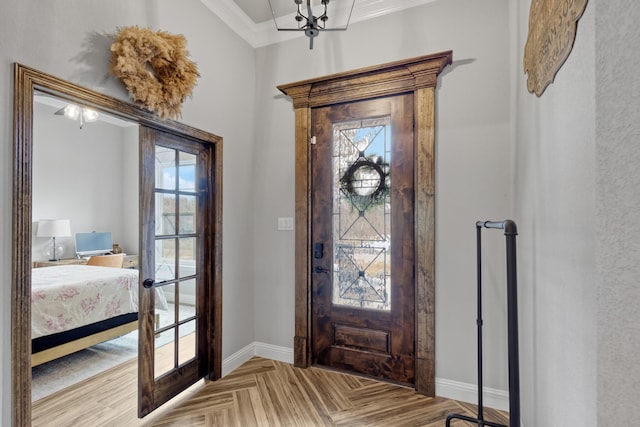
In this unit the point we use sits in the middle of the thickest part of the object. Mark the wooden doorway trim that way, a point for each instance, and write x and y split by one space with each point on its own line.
26 81
418 76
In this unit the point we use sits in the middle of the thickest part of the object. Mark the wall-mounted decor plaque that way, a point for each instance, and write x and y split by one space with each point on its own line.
552 31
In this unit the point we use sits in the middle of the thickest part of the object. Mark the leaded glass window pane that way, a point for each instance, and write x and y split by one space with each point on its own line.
361 214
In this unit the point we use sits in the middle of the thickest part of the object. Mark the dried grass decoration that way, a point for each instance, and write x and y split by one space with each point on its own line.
154 68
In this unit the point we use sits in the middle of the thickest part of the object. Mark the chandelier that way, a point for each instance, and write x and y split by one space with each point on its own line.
312 24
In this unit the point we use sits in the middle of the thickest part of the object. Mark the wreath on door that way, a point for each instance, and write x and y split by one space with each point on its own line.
366 182
155 68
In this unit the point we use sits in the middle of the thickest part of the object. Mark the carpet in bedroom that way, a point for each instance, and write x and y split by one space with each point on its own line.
58 374
61 373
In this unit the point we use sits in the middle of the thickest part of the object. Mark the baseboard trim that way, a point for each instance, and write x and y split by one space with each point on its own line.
274 352
464 392
237 359
268 351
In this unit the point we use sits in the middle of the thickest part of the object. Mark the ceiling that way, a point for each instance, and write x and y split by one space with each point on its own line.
258 10
253 21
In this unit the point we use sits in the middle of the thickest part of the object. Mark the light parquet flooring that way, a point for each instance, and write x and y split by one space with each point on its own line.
260 393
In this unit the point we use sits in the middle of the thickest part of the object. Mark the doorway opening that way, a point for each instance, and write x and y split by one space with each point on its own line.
28 82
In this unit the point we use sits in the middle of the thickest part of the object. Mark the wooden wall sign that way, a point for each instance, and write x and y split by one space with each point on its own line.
552 31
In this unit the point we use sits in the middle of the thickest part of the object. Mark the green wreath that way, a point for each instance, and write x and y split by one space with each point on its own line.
349 187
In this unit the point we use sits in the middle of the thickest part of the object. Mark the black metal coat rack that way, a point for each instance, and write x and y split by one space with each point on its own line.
510 231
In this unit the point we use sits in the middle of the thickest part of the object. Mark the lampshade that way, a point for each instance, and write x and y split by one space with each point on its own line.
54 228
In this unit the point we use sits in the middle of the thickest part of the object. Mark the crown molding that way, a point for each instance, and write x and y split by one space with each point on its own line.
265 33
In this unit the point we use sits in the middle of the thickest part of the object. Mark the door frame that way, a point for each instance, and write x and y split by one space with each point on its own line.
26 80
419 76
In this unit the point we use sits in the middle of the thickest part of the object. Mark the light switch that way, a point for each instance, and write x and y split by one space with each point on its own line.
285 223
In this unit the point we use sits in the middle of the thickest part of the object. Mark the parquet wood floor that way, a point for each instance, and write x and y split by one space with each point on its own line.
260 393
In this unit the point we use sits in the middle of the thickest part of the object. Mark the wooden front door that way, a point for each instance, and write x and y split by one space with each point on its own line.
177 218
362 228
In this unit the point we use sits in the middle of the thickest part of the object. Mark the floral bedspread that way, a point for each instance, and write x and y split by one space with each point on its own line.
68 296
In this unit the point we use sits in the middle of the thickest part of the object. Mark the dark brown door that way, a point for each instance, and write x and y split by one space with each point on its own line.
175 211
362 260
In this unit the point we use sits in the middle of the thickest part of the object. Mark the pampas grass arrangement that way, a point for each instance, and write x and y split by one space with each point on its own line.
155 69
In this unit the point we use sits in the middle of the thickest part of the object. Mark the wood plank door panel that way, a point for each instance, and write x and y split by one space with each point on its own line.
362 264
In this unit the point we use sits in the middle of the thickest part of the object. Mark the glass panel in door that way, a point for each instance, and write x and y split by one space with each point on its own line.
176 243
361 214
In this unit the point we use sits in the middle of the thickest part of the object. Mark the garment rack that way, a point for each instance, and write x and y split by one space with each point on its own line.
510 231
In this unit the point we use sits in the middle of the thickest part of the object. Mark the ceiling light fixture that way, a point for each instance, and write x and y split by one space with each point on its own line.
311 24
75 112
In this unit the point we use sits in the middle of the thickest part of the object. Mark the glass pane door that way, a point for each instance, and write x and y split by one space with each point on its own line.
176 272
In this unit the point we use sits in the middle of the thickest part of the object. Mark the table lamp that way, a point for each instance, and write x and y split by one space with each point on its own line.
54 228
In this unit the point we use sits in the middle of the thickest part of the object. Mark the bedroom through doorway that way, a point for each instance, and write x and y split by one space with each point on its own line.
85 175
99 166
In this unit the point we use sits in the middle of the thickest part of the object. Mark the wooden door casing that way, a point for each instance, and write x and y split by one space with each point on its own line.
417 76
372 342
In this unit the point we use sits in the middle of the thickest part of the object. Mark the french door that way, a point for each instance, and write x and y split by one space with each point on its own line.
176 266
362 237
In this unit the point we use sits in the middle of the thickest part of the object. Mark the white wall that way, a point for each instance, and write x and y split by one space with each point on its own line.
554 203
617 185
69 39
472 173
577 194
224 103
129 192
83 175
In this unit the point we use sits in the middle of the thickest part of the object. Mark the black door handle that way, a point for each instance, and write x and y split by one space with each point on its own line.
150 283
319 269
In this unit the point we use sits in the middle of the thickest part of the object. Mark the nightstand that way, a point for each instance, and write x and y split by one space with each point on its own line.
67 261
129 261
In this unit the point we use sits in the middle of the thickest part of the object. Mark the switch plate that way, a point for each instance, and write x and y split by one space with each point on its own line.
285 223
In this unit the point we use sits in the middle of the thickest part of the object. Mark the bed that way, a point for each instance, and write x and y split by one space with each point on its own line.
77 306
